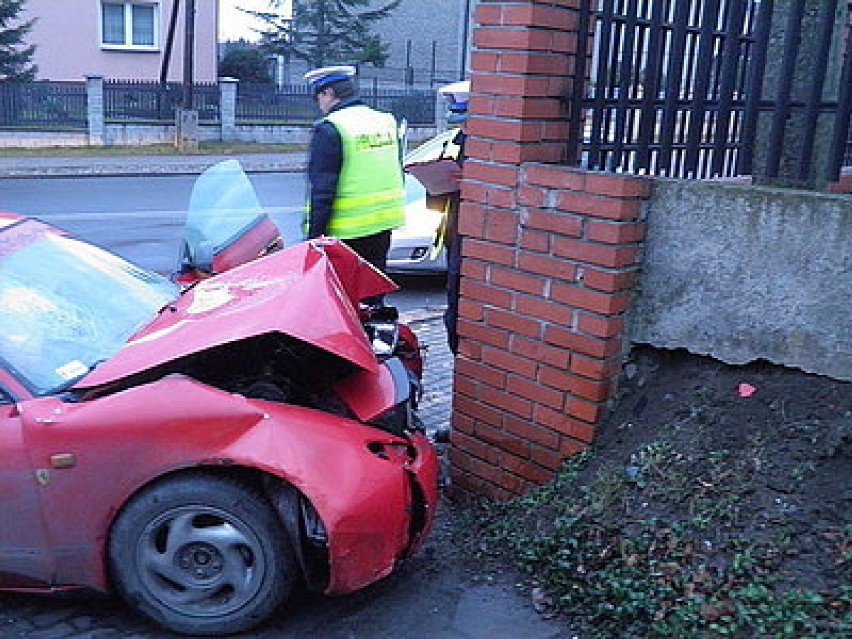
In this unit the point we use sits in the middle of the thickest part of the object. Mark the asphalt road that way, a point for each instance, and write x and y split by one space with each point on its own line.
141 218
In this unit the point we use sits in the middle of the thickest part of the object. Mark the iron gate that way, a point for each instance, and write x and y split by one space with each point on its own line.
676 87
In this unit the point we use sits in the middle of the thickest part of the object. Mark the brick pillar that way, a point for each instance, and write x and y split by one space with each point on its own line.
549 257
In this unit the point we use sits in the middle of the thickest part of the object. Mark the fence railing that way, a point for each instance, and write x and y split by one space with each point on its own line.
136 100
294 103
60 105
678 88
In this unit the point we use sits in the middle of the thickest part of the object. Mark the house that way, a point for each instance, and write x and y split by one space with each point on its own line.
119 39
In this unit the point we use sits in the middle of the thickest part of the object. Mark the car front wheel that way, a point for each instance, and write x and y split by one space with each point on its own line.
201 555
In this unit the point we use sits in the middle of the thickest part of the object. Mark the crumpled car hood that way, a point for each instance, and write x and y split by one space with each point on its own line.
309 291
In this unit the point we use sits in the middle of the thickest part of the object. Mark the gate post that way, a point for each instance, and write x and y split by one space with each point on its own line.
95 109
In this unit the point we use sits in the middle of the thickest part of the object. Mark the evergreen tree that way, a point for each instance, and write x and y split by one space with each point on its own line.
246 65
15 57
325 32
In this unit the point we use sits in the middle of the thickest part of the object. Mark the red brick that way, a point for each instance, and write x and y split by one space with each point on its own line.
503 198
490 376
487 294
513 322
490 172
476 447
586 411
488 252
508 362
474 191
572 446
488 14
472 310
594 253
500 84
473 465
539 351
520 39
618 185
467 386
510 130
595 368
472 219
485 61
526 469
462 423
516 280
541 108
530 431
502 226
583 344
483 334
600 326
565 424
537 241
532 196
504 442
474 269
481 413
597 206
614 232
605 280
549 459
559 178
583 387
544 309
470 349
552 220
535 392
589 300
558 269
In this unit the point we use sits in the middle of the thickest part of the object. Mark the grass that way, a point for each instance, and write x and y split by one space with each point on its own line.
652 549
205 148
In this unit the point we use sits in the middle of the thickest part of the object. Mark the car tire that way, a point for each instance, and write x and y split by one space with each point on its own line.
201 555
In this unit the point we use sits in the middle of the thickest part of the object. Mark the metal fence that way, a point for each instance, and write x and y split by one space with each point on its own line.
677 88
294 103
54 105
143 101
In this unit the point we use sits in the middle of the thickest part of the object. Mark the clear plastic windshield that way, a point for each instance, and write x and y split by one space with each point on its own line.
223 207
66 305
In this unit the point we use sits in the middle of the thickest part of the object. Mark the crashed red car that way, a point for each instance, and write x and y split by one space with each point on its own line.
200 450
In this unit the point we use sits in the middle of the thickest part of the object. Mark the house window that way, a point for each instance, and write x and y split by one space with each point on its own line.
129 25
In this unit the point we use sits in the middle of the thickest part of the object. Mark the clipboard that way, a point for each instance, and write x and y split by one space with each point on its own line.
438 177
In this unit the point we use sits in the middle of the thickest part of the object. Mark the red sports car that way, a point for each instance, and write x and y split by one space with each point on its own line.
203 449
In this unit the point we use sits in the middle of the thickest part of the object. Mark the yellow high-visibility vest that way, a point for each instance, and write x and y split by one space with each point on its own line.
370 193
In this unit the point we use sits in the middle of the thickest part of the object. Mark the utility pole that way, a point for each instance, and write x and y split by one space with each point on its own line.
186 126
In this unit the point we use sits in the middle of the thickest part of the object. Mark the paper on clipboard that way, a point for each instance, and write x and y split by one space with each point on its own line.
437 176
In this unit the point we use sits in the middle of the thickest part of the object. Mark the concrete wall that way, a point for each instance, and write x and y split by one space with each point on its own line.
744 273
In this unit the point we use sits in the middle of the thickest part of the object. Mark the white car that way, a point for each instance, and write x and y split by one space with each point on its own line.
411 249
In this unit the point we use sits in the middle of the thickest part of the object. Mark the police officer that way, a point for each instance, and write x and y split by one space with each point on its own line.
354 172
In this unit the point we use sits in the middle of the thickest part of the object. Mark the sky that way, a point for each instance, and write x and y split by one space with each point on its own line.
233 23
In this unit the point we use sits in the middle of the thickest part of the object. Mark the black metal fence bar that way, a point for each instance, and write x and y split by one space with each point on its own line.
131 100
43 105
828 9
677 87
294 103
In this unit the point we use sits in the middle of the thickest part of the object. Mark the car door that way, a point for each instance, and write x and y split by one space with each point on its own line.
25 558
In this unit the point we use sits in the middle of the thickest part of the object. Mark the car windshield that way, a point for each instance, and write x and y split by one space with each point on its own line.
223 205
66 305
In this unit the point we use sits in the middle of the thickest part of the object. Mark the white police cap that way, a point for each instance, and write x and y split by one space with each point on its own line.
322 77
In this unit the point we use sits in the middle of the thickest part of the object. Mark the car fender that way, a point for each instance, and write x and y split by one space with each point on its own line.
177 423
